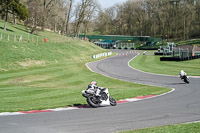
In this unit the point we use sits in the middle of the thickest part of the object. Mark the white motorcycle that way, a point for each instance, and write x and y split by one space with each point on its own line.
103 99
185 79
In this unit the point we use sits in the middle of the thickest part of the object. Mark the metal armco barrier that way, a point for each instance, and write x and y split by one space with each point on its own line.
101 55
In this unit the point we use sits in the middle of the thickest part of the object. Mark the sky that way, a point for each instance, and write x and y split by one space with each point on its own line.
109 3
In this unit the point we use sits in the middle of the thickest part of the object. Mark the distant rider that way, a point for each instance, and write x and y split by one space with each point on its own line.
93 88
182 74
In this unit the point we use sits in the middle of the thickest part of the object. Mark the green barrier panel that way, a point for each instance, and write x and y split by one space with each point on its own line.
122 38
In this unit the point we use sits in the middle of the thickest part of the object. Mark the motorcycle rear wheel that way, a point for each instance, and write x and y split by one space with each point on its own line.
93 101
112 101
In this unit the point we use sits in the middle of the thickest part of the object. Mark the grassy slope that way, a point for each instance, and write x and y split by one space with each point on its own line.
151 63
192 42
180 128
50 75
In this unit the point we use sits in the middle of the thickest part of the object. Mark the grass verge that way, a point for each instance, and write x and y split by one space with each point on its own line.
151 63
179 128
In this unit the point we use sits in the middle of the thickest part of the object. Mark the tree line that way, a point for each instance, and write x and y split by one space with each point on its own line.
174 19
65 16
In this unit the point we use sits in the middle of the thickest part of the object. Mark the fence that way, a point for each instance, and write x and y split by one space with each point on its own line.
125 45
182 53
30 38
115 45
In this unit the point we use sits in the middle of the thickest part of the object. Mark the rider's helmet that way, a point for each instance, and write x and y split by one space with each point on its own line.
182 73
93 83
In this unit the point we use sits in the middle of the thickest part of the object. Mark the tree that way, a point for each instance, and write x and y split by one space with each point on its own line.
90 11
68 13
81 14
47 7
13 7
35 15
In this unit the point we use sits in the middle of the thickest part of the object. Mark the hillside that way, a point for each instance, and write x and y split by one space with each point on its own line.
38 75
17 55
57 49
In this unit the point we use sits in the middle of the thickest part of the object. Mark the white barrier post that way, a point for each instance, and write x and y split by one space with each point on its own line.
20 39
15 38
8 37
1 37
101 54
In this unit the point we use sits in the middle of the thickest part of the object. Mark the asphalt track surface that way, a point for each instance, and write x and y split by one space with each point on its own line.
179 106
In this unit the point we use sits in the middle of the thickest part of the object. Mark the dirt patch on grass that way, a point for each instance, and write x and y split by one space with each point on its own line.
15 47
30 63
16 81
27 79
1 69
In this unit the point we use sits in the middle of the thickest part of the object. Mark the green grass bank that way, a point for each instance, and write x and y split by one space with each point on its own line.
151 63
40 75
179 128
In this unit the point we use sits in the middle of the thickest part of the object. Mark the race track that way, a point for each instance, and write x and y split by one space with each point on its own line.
180 106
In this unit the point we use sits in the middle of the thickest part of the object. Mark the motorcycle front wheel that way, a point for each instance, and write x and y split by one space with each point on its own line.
186 80
93 101
112 101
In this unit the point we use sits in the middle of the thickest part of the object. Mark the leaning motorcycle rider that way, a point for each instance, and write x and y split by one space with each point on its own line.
182 74
93 88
